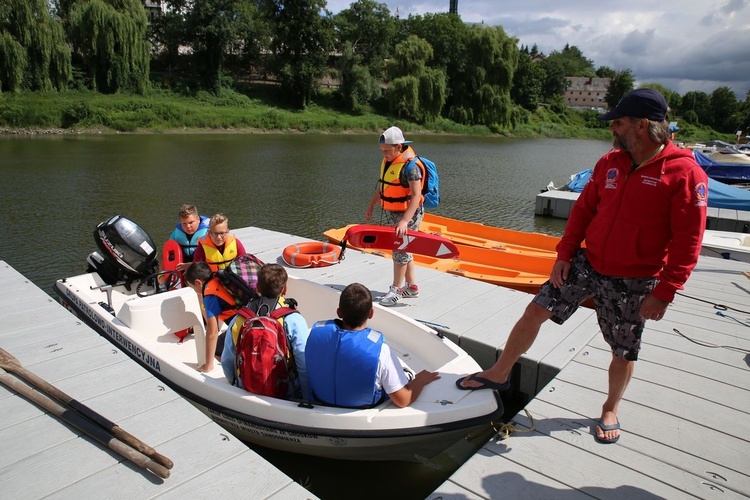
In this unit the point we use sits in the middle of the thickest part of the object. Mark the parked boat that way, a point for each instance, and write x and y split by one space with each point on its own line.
502 266
727 165
120 297
479 235
726 245
720 195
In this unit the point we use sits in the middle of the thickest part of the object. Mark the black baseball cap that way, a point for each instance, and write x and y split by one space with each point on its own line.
640 103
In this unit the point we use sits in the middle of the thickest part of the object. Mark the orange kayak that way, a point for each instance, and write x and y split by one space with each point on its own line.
479 235
511 267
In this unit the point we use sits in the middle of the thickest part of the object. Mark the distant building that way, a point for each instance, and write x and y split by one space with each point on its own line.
453 7
153 9
586 92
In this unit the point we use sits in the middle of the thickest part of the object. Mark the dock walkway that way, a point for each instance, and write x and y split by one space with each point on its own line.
43 457
685 416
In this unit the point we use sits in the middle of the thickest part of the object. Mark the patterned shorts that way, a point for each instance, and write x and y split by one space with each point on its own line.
617 302
392 218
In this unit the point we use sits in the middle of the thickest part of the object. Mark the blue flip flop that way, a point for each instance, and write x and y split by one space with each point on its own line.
486 383
606 427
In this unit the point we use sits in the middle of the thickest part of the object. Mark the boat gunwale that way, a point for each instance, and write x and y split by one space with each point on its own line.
380 433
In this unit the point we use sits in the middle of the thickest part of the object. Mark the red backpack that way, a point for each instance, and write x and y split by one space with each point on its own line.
262 353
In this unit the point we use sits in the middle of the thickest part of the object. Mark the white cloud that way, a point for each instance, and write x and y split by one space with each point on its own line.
683 44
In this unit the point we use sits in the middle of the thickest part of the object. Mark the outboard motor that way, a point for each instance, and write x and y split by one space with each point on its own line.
127 251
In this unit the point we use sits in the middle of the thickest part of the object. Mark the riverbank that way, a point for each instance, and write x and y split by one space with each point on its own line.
256 111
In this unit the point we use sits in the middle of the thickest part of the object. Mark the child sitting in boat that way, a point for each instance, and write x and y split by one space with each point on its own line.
217 304
272 281
220 247
350 364
189 230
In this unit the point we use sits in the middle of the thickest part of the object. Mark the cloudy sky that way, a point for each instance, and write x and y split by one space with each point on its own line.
683 44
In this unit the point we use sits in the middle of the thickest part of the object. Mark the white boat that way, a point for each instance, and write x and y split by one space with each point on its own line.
726 245
142 320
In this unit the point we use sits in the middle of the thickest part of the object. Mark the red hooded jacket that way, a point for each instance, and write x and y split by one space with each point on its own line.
646 223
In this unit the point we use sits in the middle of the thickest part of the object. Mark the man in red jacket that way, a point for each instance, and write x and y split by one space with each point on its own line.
642 215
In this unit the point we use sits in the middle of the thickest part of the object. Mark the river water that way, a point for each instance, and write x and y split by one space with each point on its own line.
56 189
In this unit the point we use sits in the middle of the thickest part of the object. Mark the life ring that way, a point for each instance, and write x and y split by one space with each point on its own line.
311 254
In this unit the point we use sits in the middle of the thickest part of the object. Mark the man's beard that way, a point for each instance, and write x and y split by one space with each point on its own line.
622 143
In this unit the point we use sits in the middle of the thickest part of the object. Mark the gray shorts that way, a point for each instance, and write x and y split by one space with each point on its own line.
617 302
391 219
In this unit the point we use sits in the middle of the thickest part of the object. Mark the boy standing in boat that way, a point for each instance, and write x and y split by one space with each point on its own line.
642 216
350 365
399 193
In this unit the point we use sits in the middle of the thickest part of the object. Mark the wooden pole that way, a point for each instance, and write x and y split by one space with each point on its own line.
11 364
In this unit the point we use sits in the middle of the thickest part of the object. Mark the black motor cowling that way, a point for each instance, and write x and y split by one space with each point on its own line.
127 251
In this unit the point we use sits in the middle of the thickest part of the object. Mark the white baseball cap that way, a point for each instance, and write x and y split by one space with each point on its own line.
393 135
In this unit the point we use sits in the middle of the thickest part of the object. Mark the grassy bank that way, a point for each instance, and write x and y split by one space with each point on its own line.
160 111
163 111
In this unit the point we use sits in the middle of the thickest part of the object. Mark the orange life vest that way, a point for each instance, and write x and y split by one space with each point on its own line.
395 197
214 287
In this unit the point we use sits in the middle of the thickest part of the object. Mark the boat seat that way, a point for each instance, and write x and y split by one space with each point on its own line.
162 313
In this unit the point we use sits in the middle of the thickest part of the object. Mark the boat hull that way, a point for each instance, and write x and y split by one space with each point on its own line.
144 328
726 245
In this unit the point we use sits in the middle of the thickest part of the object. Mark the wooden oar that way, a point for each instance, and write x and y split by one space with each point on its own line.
82 424
11 364
747 274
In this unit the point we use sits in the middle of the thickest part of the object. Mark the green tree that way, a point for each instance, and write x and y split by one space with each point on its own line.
605 72
555 83
446 34
302 40
33 52
483 90
528 82
358 86
724 106
215 29
365 32
415 91
369 28
110 36
698 102
572 61
619 85
167 33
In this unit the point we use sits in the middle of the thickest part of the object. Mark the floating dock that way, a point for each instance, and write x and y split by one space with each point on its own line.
43 457
685 417
559 204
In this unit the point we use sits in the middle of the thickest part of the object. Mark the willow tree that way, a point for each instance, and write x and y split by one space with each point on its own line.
415 90
33 53
482 92
110 37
